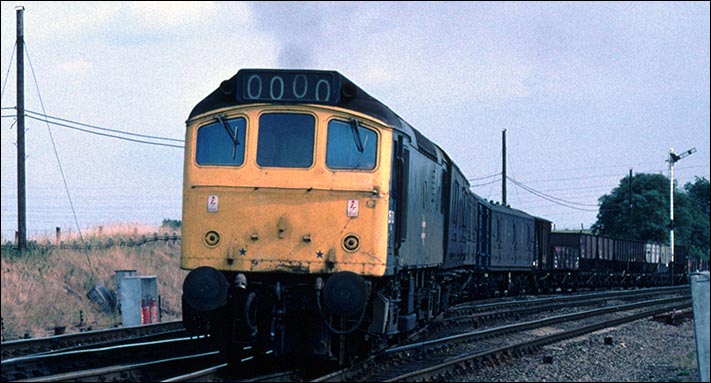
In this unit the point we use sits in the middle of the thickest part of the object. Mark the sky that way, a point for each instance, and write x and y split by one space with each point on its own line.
585 92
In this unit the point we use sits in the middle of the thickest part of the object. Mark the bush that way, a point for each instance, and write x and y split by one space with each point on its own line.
171 223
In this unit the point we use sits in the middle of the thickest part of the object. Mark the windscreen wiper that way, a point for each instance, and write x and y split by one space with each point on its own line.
233 136
356 135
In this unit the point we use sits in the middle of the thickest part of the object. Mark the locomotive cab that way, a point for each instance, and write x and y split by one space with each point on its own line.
285 214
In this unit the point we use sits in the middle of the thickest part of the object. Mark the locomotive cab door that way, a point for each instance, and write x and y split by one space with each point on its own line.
398 201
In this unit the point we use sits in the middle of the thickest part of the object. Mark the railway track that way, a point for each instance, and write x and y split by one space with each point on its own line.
105 361
437 359
216 374
160 354
473 315
105 337
173 359
156 370
471 308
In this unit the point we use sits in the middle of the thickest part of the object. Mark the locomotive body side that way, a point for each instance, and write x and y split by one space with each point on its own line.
420 244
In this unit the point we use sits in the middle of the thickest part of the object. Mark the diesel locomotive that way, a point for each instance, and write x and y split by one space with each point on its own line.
318 224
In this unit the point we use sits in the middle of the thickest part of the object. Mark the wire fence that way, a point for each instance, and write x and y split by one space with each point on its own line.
99 244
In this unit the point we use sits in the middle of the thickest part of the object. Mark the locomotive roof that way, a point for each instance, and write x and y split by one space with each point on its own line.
235 91
297 86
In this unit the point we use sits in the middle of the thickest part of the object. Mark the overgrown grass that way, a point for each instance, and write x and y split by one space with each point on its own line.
48 288
686 363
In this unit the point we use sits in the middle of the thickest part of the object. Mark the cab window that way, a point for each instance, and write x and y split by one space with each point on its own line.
350 146
221 142
286 140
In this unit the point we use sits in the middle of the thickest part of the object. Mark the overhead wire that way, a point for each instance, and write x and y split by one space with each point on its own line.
105 134
556 200
105 129
507 177
7 74
46 119
492 183
486 183
551 198
59 162
483 178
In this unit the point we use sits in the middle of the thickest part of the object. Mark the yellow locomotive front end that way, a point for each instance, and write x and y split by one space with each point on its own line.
292 189
287 214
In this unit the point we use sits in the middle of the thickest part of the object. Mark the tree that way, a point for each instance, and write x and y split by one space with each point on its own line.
646 218
698 209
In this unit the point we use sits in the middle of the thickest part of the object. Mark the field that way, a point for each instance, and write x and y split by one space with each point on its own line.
48 286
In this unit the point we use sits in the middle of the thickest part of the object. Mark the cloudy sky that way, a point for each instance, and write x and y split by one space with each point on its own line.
585 91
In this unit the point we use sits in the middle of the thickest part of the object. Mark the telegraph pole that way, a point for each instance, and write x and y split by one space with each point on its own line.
631 217
673 158
21 201
503 172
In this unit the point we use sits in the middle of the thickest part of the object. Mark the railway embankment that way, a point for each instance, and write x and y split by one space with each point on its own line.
46 290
